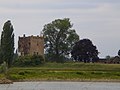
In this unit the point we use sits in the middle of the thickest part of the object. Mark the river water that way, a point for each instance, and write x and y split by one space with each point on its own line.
61 86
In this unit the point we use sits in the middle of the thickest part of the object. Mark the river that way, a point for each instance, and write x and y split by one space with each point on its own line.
61 86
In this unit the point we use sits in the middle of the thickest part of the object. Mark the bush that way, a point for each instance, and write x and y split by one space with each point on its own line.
29 60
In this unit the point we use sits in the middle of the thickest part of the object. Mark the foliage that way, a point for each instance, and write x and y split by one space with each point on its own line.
1 61
59 38
67 71
84 50
108 57
29 60
7 43
3 68
119 53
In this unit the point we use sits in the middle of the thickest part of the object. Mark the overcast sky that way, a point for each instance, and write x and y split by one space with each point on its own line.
98 20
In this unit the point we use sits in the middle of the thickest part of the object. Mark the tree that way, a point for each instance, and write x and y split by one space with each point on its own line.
119 53
84 50
7 43
107 57
0 55
59 38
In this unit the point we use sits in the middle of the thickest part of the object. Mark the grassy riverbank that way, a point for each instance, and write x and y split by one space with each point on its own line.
66 71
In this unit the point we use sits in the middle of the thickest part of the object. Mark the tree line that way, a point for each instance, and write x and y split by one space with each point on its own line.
60 41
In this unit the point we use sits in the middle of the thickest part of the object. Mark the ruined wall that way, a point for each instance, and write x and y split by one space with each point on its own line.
31 45
37 45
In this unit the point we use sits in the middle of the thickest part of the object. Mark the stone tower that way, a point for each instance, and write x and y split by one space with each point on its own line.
31 45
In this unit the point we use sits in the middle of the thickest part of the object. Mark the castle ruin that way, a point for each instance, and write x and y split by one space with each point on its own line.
31 45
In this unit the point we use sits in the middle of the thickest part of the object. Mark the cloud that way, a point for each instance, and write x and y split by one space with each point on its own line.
71 7
98 20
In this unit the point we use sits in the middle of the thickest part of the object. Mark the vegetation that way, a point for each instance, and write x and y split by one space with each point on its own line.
66 71
7 44
59 39
119 53
29 60
84 50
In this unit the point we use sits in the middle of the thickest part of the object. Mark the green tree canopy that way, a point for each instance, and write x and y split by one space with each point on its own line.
7 43
85 51
59 38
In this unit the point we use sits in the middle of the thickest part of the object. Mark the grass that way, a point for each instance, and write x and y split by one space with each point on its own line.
67 71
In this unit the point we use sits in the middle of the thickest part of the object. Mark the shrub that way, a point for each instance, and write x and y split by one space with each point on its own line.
29 60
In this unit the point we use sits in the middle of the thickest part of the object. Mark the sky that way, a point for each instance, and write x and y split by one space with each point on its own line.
97 20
